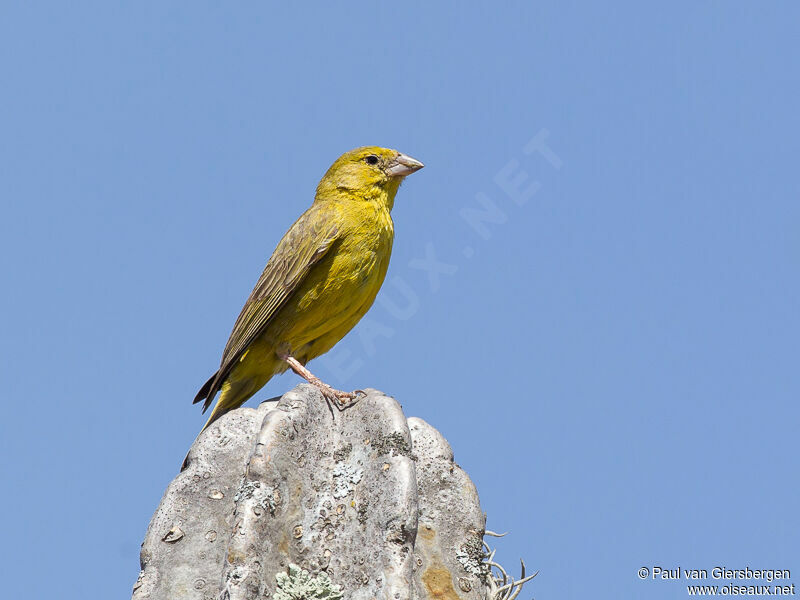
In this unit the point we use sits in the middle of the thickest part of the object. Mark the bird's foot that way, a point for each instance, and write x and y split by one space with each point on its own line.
341 400
350 399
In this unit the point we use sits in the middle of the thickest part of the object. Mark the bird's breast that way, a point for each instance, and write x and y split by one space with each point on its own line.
343 285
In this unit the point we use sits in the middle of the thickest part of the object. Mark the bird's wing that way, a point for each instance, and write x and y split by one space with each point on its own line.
306 242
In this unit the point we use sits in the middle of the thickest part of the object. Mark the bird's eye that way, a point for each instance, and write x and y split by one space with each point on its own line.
371 159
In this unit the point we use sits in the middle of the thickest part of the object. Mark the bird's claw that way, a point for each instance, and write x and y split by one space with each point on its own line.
341 400
353 398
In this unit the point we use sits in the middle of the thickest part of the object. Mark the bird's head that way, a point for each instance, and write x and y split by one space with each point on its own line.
369 173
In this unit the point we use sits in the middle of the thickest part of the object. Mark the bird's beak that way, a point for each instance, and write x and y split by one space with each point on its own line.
403 165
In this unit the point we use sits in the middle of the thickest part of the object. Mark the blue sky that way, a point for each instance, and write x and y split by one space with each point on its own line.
613 359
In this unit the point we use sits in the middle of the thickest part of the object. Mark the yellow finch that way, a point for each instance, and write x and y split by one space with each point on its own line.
321 279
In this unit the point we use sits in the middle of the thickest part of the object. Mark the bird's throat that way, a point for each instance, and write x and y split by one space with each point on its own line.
381 195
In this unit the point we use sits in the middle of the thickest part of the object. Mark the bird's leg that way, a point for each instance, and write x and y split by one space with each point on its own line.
339 397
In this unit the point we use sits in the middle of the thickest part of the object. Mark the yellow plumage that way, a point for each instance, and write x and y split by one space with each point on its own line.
319 282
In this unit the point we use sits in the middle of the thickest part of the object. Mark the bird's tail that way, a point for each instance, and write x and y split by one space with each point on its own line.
228 399
232 394
224 404
207 392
